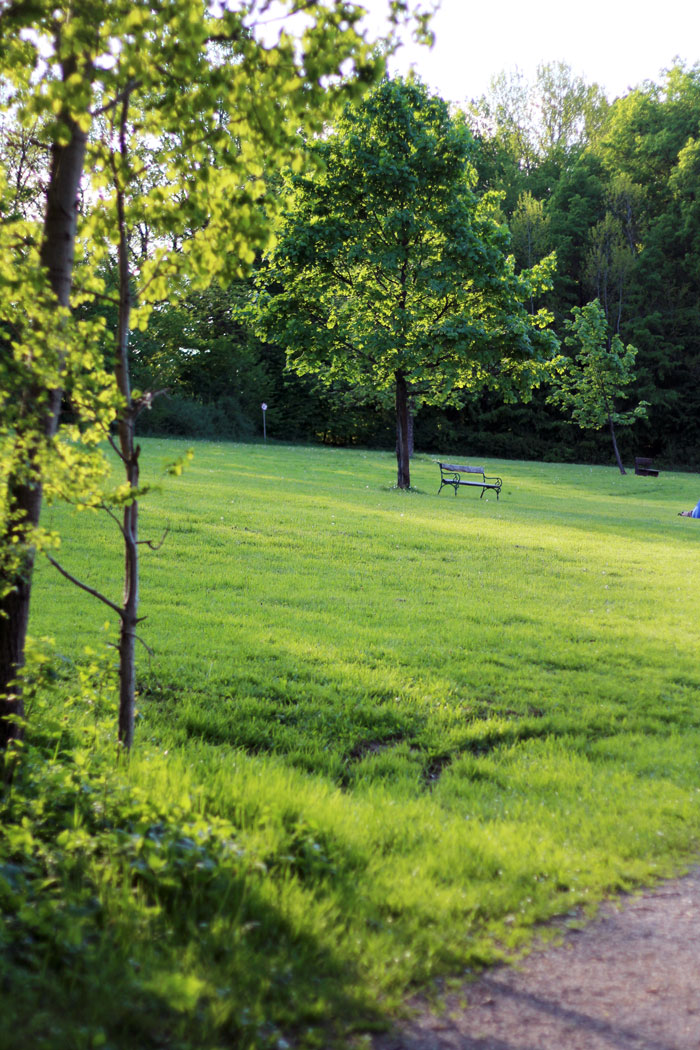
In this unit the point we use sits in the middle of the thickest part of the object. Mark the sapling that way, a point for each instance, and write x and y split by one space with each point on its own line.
590 383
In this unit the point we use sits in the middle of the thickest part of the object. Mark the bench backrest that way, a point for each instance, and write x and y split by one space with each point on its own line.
462 469
640 461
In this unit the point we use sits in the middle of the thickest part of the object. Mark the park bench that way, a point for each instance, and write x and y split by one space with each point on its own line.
453 474
644 468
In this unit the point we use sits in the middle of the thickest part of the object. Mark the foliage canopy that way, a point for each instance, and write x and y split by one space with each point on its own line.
161 123
590 383
390 272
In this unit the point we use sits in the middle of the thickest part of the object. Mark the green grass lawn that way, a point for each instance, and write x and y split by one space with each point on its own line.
396 730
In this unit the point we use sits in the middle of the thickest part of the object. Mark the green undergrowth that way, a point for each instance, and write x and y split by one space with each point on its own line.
383 736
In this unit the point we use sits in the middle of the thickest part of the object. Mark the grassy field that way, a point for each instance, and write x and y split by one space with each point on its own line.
382 735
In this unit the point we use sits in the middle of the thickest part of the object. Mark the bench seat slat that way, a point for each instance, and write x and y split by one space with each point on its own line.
463 469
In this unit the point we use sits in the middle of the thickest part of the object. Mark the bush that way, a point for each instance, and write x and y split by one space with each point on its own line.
179 417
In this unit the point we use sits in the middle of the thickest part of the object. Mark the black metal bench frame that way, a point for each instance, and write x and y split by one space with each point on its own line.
451 474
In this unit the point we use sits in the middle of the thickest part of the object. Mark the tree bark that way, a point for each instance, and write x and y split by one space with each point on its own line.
14 618
614 441
411 408
127 636
411 446
130 457
24 498
402 432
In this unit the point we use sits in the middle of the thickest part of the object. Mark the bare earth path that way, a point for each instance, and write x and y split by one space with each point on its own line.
630 980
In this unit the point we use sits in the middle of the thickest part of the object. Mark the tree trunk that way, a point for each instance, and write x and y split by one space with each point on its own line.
411 446
57 256
14 618
127 637
130 457
614 441
411 415
402 432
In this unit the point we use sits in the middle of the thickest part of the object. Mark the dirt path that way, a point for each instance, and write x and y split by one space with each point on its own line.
628 981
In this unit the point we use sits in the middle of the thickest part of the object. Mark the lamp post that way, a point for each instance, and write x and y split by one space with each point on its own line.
264 410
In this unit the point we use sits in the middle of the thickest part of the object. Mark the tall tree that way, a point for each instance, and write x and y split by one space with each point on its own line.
576 205
41 346
506 114
571 112
591 382
649 143
390 273
543 125
529 230
222 96
613 247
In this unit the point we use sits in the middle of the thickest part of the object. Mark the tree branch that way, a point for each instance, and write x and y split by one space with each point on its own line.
144 644
116 448
152 544
342 277
448 304
96 295
146 401
85 587
113 103
113 516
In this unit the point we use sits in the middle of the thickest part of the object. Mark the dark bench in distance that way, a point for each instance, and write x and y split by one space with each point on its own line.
452 474
644 468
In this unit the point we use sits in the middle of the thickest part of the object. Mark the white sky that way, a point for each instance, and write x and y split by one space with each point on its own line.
616 43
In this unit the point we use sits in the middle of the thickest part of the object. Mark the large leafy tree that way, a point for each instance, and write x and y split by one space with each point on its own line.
389 271
154 116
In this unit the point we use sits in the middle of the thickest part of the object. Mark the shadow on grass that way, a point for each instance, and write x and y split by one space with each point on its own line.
125 926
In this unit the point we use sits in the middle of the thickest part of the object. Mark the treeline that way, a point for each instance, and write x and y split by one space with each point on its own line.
610 187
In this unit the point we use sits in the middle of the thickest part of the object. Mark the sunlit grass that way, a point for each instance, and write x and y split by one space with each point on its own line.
431 720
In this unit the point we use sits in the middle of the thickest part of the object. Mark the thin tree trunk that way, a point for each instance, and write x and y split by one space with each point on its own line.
24 499
130 457
614 441
402 432
529 261
619 308
127 637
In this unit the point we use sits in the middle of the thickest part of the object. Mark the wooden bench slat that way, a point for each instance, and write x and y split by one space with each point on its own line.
463 469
